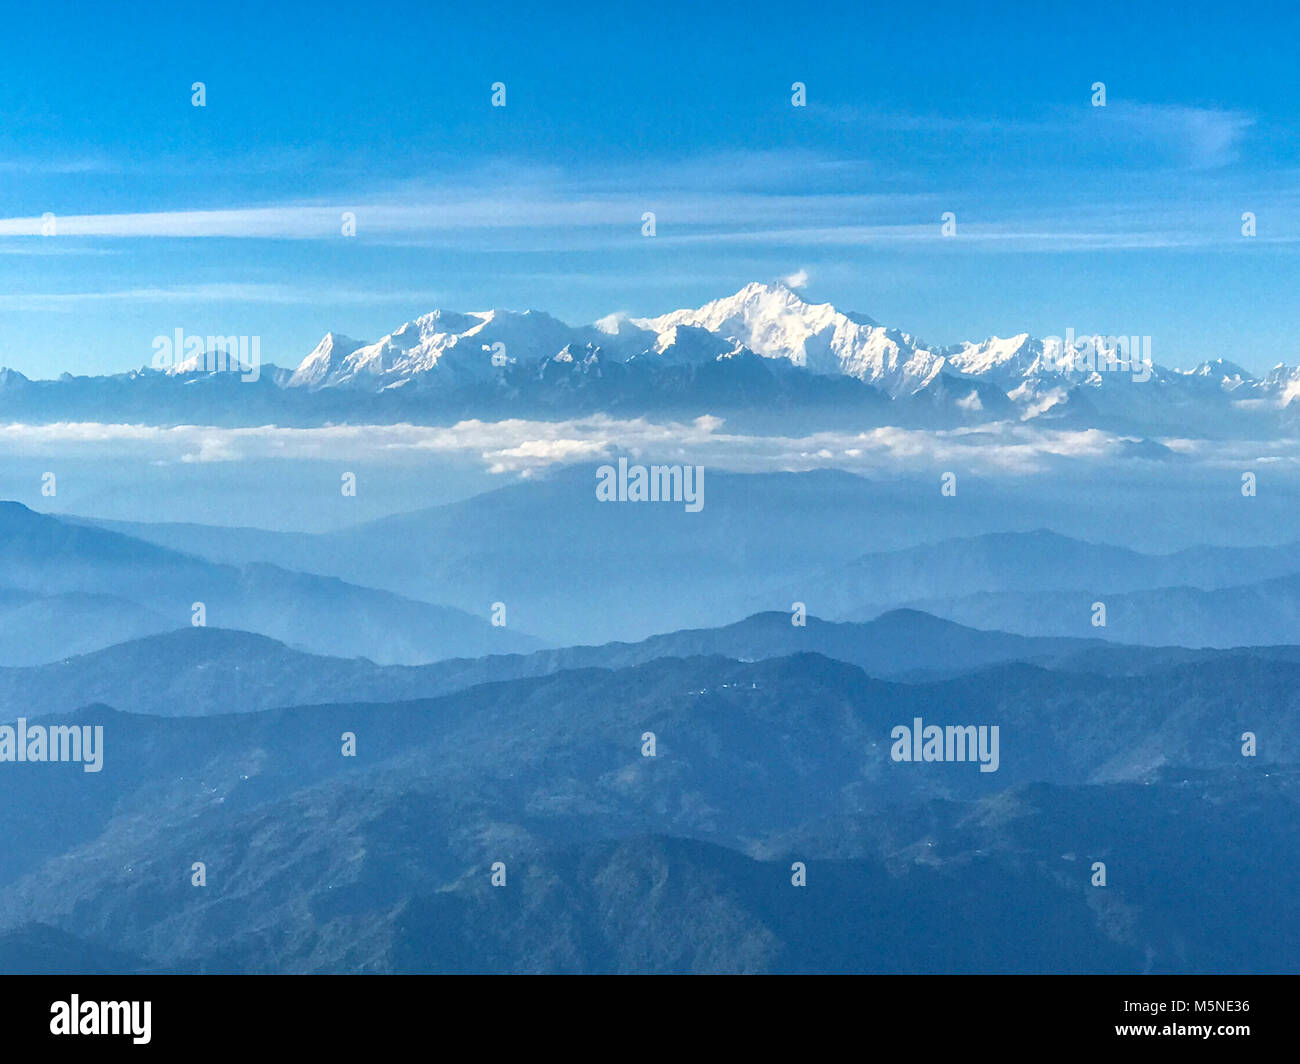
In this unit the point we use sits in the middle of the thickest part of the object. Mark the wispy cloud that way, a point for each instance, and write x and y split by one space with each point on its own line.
438 209
44 166
1152 134
790 197
211 293
1199 137
544 225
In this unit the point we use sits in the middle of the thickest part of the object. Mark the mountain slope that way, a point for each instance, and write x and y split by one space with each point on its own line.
316 862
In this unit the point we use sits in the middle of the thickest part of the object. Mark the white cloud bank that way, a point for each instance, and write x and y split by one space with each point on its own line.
522 447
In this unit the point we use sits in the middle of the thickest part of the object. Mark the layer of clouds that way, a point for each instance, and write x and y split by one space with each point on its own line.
522 448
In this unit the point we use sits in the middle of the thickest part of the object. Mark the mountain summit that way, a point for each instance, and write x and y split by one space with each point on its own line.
775 322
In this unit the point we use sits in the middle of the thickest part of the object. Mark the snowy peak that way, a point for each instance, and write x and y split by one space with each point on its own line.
771 320
1284 382
1221 368
775 322
1015 352
1224 374
325 359
457 347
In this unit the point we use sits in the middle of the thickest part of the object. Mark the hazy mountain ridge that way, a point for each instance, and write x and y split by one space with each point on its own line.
1032 562
1267 611
92 580
761 543
207 671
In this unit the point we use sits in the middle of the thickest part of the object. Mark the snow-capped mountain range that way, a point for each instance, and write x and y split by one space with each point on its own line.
773 322
764 351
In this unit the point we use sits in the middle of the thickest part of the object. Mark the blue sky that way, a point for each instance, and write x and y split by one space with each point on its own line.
226 219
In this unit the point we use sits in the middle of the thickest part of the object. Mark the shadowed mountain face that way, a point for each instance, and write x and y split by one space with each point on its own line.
682 861
957 888
37 949
86 580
